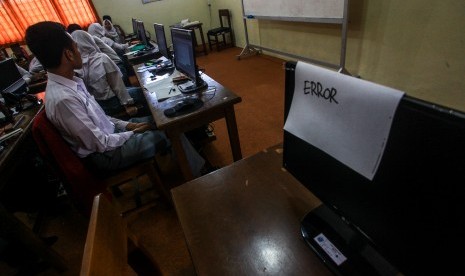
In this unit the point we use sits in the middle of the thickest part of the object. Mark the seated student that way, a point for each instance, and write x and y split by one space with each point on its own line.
104 48
111 32
97 30
103 80
29 77
35 66
116 27
105 142
73 27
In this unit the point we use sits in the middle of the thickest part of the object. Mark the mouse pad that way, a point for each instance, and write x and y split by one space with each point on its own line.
183 107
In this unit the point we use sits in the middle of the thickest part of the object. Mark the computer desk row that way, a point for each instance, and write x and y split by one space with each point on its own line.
218 103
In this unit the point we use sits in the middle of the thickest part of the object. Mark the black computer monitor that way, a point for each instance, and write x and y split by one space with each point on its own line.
184 59
161 40
12 86
134 26
411 214
142 35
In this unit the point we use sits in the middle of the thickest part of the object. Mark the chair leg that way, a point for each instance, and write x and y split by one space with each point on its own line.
210 42
224 40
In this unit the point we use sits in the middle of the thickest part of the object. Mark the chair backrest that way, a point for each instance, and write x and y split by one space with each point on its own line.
106 248
80 183
224 14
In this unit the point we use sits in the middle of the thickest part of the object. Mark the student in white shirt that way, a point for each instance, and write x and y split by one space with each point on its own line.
103 80
35 66
107 143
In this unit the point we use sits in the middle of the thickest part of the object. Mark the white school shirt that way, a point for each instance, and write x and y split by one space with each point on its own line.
80 119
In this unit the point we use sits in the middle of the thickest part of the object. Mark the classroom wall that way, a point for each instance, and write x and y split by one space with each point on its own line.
416 46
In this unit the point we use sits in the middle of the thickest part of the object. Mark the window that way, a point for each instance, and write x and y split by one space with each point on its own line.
17 15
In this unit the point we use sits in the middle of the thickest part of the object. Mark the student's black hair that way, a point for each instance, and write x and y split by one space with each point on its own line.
47 40
73 27
106 17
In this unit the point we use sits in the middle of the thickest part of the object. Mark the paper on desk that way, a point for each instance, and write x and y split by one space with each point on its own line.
163 87
346 117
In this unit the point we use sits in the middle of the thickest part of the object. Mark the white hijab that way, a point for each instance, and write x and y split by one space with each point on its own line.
112 33
98 30
92 66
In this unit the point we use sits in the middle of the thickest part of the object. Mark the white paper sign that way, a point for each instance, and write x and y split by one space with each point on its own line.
346 117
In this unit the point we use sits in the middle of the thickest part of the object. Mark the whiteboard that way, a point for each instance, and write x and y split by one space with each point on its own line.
295 10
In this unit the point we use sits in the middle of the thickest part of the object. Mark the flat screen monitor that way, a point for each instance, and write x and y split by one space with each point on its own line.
12 85
142 35
410 217
185 61
134 26
161 40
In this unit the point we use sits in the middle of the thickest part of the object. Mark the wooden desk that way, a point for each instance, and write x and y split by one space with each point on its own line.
11 227
244 219
216 106
193 27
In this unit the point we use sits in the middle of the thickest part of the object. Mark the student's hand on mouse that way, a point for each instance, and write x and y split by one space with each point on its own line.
131 110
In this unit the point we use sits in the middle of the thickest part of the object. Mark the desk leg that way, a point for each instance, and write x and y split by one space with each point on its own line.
180 154
233 133
13 228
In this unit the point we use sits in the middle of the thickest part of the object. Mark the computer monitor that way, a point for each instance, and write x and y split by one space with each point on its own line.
12 86
184 59
161 40
142 35
134 26
411 214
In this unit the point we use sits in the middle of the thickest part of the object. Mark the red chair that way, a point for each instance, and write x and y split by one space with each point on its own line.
81 183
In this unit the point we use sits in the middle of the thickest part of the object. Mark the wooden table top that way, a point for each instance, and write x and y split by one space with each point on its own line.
215 98
244 219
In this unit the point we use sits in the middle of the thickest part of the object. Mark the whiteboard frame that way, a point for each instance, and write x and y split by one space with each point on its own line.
250 49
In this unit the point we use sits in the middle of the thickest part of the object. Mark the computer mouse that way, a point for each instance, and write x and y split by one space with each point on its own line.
183 106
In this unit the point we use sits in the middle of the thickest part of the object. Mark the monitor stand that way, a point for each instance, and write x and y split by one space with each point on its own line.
191 87
342 248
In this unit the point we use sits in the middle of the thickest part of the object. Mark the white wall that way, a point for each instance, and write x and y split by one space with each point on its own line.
416 46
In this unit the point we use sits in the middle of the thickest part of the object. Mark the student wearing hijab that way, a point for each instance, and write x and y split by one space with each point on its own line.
97 30
103 80
104 48
105 142
111 32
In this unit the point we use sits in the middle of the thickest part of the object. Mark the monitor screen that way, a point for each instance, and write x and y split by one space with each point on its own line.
161 40
10 74
142 35
412 212
184 59
12 85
